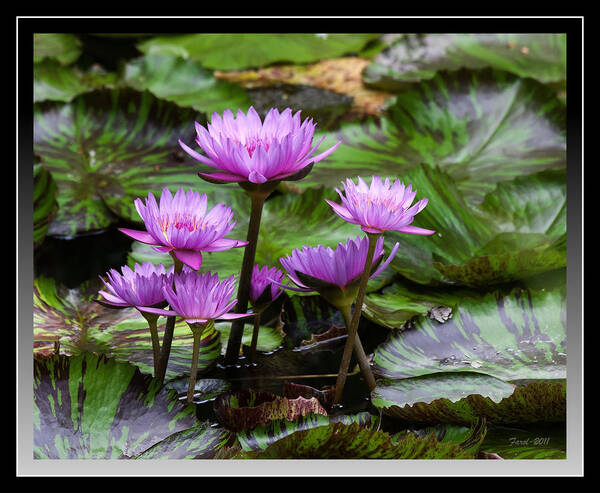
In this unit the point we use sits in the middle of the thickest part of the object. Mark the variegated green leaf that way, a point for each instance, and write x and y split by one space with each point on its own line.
106 148
351 441
44 202
482 127
90 407
202 441
260 437
420 57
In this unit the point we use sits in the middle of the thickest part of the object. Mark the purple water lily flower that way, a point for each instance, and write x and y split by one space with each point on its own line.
335 274
138 287
182 225
381 207
262 289
245 149
199 298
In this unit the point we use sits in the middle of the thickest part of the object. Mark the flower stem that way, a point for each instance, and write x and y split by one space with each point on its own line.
359 351
254 338
197 330
169 330
353 327
237 327
153 326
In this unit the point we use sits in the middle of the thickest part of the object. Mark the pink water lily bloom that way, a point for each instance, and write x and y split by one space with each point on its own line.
323 269
199 298
381 207
182 224
262 289
245 149
138 287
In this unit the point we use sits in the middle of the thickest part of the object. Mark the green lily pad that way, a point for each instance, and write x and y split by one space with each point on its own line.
106 148
239 51
80 325
260 437
415 58
205 389
202 441
53 81
481 127
44 202
516 335
479 246
269 338
351 441
184 82
90 407
462 368
65 48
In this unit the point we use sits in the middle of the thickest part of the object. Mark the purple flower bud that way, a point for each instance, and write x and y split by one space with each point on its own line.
140 287
263 291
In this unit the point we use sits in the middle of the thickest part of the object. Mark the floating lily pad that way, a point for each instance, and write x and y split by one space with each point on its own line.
514 336
420 57
482 246
238 51
90 407
481 127
80 325
351 441
202 441
184 82
205 389
260 437
44 202
53 81
106 148
269 338
65 48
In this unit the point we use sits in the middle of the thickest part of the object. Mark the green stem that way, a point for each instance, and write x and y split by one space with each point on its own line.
254 338
169 331
153 326
197 330
359 351
353 328
237 327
